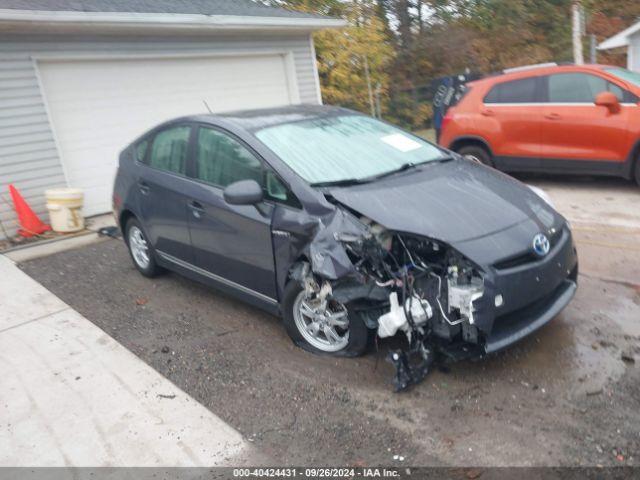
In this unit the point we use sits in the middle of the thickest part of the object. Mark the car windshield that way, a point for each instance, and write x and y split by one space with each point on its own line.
626 75
346 148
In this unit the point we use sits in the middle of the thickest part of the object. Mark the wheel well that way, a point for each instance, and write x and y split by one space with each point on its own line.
467 142
125 215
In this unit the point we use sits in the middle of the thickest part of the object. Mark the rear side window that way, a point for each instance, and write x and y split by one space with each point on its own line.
169 150
516 91
141 150
581 88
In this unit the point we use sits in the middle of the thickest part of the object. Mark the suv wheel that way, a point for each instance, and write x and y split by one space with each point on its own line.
476 154
140 249
329 329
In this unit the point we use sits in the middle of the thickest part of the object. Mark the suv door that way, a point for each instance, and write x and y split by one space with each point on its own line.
575 128
511 114
162 185
232 243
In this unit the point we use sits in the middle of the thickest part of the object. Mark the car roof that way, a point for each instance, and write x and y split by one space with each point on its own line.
260 118
538 71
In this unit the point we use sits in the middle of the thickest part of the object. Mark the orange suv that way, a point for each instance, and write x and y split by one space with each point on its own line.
571 119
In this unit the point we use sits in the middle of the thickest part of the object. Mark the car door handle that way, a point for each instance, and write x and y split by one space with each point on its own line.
553 116
144 188
487 112
196 208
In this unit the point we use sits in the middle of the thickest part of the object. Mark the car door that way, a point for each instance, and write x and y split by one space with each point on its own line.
575 128
512 116
162 185
231 243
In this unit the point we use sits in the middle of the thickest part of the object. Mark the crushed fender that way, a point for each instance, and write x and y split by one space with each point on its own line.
395 283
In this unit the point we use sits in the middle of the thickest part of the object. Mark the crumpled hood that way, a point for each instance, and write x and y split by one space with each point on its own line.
454 201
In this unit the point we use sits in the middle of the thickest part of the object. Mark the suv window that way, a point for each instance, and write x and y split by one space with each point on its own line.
169 149
222 160
515 91
580 88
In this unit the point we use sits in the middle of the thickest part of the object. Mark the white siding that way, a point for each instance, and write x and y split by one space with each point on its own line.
28 153
633 53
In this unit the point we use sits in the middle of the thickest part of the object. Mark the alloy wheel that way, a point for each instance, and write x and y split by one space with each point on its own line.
139 247
324 324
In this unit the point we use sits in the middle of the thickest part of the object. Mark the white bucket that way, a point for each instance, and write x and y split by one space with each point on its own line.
65 209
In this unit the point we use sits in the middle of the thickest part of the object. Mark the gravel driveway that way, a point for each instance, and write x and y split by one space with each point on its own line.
569 395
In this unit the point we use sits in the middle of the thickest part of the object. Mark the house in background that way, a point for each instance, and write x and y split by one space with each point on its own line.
80 80
629 38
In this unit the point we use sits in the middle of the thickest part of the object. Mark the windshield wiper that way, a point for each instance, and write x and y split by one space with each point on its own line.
359 181
340 183
402 168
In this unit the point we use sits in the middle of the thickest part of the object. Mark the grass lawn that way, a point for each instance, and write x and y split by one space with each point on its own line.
427 134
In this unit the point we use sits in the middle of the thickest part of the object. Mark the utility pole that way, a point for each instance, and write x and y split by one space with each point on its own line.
576 8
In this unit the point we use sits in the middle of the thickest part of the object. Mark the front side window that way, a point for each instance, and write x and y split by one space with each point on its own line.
580 88
221 160
169 150
516 91
345 147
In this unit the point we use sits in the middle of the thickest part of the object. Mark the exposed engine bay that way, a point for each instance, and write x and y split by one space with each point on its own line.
398 283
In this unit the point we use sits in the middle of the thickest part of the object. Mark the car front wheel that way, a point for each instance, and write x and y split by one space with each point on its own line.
323 327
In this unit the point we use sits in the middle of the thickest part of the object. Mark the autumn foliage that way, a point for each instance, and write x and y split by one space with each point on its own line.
394 48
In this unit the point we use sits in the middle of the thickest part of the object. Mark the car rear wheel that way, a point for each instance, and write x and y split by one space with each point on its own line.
140 249
637 173
327 327
476 154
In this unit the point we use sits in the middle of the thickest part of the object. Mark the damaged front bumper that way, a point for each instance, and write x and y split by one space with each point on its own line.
510 328
448 304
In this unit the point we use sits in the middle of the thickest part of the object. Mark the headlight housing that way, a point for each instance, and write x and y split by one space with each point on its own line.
543 195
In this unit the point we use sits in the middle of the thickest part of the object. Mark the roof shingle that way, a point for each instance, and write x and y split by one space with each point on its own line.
201 7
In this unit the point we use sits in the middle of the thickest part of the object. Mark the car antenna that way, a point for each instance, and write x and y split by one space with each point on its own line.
207 105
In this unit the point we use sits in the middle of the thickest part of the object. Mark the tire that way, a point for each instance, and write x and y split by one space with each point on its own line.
134 233
637 170
359 336
477 154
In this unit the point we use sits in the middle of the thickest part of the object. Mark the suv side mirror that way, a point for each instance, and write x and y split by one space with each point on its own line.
244 192
608 100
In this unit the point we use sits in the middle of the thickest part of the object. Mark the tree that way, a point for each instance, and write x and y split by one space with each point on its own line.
354 61
405 44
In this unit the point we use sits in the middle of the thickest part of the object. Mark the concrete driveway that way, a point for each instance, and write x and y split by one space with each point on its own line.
569 395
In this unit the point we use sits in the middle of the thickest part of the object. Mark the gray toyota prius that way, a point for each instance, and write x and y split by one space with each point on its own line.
348 228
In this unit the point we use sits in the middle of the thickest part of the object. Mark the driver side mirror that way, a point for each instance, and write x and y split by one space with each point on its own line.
244 192
608 100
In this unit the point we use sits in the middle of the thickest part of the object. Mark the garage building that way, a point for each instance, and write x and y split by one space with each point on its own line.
80 80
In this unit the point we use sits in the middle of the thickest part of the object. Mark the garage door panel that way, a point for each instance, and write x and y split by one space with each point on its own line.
97 107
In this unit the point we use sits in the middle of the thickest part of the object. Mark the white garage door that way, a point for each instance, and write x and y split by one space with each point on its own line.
98 107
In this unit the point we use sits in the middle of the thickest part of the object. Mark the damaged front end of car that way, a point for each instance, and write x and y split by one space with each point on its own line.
395 282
